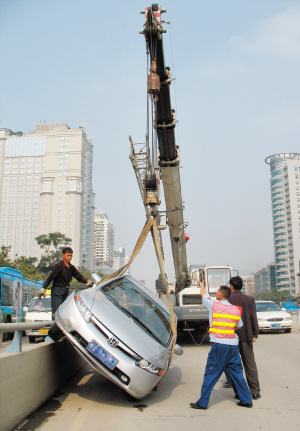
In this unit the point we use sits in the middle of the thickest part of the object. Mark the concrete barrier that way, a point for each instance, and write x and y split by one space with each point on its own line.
30 378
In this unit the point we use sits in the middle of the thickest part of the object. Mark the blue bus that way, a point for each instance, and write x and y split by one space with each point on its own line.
10 278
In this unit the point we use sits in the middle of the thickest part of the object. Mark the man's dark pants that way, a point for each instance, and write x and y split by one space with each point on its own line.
247 355
58 296
223 356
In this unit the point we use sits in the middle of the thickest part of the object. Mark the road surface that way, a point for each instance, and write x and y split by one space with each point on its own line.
90 402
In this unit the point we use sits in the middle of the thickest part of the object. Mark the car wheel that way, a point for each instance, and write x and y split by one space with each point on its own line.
130 397
31 339
55 333
288 330
7 335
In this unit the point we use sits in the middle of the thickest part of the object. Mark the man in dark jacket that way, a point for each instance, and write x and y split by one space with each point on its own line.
61 275
248 333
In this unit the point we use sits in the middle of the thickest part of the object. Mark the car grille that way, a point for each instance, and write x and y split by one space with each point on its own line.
116 371
275 319
191 300
122 346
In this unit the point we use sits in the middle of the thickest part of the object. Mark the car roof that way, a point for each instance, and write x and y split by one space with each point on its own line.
267 301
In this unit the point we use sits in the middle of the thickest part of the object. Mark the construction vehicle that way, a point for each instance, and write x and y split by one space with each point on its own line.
158 160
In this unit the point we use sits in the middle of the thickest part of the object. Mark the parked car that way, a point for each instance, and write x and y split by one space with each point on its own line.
122 329
271 317
39 310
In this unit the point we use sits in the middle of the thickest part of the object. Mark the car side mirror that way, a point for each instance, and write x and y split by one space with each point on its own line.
96 278
178 350
283 309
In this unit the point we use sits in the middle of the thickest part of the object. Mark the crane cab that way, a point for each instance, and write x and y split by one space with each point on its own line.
213 277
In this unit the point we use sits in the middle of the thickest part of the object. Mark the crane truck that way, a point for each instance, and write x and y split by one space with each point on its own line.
156 161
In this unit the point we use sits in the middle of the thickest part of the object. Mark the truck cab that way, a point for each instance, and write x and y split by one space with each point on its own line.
189 309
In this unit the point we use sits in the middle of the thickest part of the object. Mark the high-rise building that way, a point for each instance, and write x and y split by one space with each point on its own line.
265 279
46 186
248 285
104 238
285 194
120 259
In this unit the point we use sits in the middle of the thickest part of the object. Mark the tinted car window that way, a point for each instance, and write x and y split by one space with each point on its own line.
135 302
43 304
267 306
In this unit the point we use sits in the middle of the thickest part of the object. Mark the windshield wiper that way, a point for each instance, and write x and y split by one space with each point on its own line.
145 327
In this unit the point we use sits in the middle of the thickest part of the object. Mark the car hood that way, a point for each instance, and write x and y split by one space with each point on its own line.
272 314
125 328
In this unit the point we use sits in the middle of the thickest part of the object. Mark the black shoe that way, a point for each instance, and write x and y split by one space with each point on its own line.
196 406
227 385
236 397
256 396
249 405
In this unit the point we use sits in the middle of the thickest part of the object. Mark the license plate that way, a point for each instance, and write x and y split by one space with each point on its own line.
276 325
43 331
102 354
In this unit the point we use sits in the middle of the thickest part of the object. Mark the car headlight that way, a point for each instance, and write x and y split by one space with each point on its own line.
86 314
145 365
287 318
261 319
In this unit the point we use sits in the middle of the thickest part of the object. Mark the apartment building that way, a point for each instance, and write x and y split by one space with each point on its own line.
120 259
104 240
265 279
248 284
46 186
285 195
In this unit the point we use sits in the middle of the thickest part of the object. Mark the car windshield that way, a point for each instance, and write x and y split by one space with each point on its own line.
146 313
267 306
43 304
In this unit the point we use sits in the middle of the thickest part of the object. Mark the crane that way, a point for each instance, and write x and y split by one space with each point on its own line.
156 161
161 163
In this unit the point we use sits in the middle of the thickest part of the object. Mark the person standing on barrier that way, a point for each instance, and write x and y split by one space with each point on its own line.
61 275
247 335
224 319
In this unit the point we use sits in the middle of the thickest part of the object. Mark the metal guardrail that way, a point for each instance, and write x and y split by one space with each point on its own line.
23 326
18 328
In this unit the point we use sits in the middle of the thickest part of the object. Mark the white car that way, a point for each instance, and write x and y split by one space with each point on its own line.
38 311
271 317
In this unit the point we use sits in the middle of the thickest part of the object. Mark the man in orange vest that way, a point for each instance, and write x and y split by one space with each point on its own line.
224 319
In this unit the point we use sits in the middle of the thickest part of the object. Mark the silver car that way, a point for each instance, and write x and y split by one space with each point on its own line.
123 330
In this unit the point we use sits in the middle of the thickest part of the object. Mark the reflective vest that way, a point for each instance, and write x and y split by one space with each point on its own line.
224 320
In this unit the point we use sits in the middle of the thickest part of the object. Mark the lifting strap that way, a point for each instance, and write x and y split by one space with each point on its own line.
150 225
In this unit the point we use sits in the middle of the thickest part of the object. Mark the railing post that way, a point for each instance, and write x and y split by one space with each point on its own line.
16 345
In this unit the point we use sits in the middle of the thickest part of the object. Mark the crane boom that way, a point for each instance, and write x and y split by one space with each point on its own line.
168 158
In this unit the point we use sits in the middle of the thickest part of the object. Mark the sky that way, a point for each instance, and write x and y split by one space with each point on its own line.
236 94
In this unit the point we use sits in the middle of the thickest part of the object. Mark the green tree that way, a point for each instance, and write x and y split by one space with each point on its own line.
275 295
27 267
4 260
52 244
87 274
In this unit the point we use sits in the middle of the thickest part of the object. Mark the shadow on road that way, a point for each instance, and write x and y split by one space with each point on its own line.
90 386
